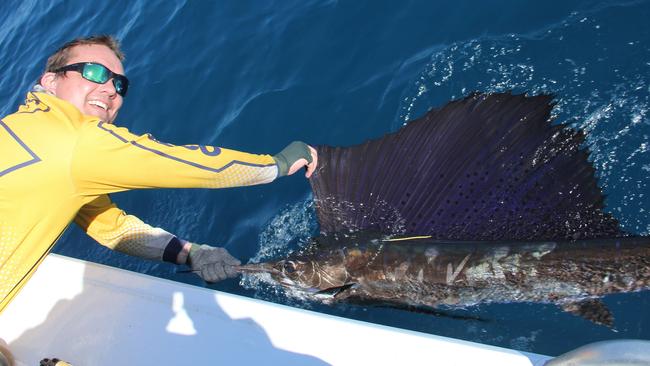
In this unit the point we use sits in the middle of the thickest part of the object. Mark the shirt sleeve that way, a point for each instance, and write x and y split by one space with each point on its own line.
113 228
109 159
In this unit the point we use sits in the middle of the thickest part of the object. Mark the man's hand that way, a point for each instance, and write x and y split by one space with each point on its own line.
212 264
295 156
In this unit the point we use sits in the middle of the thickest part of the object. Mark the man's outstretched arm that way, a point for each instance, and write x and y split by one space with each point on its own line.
107 224
110 159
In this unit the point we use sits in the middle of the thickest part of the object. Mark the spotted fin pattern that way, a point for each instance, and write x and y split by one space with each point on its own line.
486 167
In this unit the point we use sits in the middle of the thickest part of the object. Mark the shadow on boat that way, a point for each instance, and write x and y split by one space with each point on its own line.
121 317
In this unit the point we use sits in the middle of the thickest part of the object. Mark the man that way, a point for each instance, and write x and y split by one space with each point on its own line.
60 157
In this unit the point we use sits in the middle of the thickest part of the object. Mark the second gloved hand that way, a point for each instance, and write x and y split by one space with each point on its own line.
212 264
293 157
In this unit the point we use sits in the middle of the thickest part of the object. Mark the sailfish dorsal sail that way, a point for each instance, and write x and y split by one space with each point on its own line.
485 167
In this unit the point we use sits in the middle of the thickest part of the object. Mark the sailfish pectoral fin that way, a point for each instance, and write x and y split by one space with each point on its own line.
338 292
593 310
361 300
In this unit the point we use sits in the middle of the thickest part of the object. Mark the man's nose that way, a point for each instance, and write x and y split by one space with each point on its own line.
109 88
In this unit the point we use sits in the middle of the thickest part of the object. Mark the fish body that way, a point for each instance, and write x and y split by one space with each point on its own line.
423 272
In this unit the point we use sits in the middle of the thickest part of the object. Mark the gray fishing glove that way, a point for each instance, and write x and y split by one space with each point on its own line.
289 155
212 264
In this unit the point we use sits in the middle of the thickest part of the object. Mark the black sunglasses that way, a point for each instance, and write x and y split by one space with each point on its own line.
100 74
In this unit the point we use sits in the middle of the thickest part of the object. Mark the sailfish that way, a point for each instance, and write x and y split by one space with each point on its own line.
483 200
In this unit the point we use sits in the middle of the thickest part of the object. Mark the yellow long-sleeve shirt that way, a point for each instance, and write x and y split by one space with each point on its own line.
58 165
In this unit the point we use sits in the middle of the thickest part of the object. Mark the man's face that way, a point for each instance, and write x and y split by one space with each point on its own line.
100 100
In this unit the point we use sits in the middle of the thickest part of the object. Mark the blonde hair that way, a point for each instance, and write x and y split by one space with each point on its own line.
60 58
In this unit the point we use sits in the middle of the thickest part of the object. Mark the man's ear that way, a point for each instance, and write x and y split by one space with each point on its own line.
49 82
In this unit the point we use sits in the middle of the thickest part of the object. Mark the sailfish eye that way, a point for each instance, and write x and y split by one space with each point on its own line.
289 267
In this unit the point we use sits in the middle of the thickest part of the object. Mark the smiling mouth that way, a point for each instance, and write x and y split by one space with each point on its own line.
99 104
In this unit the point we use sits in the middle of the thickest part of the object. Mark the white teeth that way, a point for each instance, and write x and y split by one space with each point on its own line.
99 104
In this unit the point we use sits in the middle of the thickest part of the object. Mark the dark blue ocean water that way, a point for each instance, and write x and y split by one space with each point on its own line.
255 75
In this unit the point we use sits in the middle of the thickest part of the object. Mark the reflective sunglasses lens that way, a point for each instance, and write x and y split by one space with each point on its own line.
95 73
120 85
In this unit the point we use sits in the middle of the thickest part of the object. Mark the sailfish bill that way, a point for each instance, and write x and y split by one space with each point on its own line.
483 200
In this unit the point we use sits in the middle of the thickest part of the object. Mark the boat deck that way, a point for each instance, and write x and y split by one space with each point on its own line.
91 314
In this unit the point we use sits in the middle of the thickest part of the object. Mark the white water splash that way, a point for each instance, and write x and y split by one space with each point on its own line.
525 343
610 103
288 231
